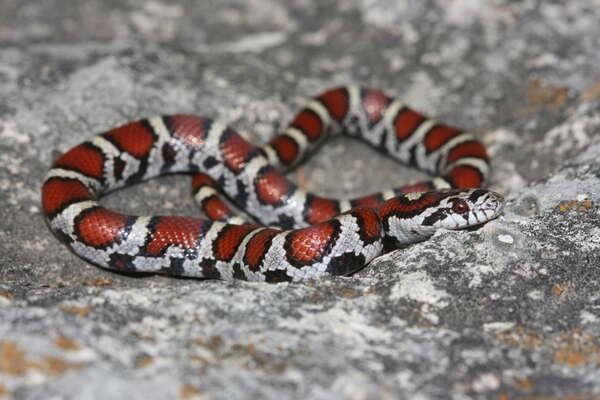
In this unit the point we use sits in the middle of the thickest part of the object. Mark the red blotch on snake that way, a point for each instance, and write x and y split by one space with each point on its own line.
216 209
321 209
369 222
133 138
272 187
57 192
100 227
438 136
181 231
84 159
258 246
336 101
406 122
229 239
188 128
286 148
309 244
374 102
200 180
469 149
464 176
309 123
235 150
372 200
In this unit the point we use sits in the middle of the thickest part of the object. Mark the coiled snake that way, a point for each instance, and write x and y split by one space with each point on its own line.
299 235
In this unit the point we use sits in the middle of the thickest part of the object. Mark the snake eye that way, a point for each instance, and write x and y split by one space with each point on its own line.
460 206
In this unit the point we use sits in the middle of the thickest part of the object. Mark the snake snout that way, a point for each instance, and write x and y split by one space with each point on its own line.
492 204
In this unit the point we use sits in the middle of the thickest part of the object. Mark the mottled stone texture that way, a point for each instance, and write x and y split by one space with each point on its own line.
509 311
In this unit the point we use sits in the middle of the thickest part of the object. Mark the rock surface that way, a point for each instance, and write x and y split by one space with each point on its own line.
511 310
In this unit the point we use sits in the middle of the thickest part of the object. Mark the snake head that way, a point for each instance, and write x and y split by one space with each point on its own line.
464 208
416 216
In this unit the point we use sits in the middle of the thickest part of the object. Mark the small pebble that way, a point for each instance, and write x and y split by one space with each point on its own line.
535 295
506 239
486 382
498 326
582 197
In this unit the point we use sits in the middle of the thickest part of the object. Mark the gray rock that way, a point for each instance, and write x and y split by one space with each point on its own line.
510 310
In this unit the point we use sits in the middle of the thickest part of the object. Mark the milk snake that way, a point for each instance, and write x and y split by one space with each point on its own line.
298 235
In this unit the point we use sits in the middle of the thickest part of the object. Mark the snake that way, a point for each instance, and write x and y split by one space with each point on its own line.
288 234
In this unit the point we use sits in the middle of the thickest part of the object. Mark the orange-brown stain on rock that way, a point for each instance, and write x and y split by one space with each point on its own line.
520 336
12 359
523 384
78 311
14 362
350 293
576 348
574 205
565 397
144 361
541 95
188 392
591 93
56 366
572 348
557 290
97 282
65 343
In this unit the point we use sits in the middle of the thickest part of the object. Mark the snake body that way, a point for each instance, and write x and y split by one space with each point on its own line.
294 235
